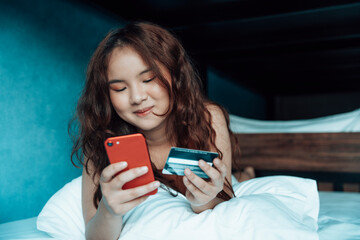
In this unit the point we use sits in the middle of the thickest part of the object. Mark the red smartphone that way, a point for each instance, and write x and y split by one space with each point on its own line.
131 148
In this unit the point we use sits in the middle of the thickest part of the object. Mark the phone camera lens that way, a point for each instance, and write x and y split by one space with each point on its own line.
110 143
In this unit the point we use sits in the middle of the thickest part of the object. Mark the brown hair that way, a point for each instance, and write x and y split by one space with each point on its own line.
190 121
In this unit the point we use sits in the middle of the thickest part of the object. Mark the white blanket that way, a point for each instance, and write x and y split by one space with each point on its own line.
277 207
268 208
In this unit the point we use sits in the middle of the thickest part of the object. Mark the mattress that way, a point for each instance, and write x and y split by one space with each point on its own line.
22 229
339 219
339 216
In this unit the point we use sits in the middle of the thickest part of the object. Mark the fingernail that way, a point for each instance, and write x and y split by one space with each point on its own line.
143 169
201 163
156 184
187 171
216 161
123 164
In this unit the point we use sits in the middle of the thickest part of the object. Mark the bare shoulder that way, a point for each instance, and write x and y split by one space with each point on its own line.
219 124
217 116
222 139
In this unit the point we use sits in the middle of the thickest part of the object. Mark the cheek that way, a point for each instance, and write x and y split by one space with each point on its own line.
118 101
160 93
163 97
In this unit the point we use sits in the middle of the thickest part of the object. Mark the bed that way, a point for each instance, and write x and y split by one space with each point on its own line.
286 155
326 149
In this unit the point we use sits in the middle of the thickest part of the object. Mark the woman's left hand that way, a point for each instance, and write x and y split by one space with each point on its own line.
200 192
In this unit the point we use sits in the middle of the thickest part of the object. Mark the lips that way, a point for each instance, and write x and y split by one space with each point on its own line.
143 111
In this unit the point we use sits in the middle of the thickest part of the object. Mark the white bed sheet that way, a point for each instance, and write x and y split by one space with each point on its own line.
22 229
339 219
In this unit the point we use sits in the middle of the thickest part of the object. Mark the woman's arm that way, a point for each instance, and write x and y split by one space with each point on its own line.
105 222
99 223
202 194
222 140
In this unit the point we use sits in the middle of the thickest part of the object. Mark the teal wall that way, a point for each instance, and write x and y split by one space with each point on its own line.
44 49
236 99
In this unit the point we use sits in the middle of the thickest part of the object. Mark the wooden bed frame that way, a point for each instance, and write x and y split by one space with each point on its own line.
333 159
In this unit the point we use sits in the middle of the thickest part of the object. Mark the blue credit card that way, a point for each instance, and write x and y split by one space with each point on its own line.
181 158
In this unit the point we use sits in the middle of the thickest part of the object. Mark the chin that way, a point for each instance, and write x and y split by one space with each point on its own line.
149 126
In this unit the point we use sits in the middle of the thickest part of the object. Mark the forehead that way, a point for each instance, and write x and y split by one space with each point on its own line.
125 61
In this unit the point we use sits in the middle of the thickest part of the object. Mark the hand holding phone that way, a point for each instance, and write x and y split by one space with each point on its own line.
133 150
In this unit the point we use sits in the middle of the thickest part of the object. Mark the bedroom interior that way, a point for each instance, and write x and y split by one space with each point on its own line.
288 60
290 71
300 58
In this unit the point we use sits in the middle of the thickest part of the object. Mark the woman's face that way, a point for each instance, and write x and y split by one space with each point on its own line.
135 92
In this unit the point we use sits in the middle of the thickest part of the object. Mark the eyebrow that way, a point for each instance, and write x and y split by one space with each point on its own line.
119 80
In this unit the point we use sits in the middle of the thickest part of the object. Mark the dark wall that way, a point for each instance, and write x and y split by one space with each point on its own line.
236 99
314 105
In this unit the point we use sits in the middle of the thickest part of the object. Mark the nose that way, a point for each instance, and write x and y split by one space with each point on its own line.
138 95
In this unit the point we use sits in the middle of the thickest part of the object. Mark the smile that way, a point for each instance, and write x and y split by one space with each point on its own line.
143 112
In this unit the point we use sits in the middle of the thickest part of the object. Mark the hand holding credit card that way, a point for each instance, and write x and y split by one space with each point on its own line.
181 158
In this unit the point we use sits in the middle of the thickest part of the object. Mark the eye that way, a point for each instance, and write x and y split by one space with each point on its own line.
117 86
119 90
149 80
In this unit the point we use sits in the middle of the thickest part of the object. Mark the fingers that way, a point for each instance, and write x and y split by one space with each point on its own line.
116 183
221 167
120 202
198 187
129 175
117 200
191 179
217 174
134 193
109 172
195 191
125 207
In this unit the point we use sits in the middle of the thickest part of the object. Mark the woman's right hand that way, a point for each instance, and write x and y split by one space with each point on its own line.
116 200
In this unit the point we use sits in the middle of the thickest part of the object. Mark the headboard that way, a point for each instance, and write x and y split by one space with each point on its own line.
333 159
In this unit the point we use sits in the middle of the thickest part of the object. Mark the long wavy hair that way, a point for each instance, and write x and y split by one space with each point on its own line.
189 119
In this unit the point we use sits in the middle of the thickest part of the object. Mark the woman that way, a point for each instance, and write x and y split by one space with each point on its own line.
141 80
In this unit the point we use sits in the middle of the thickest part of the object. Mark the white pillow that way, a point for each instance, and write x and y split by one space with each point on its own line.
62 216
276 207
